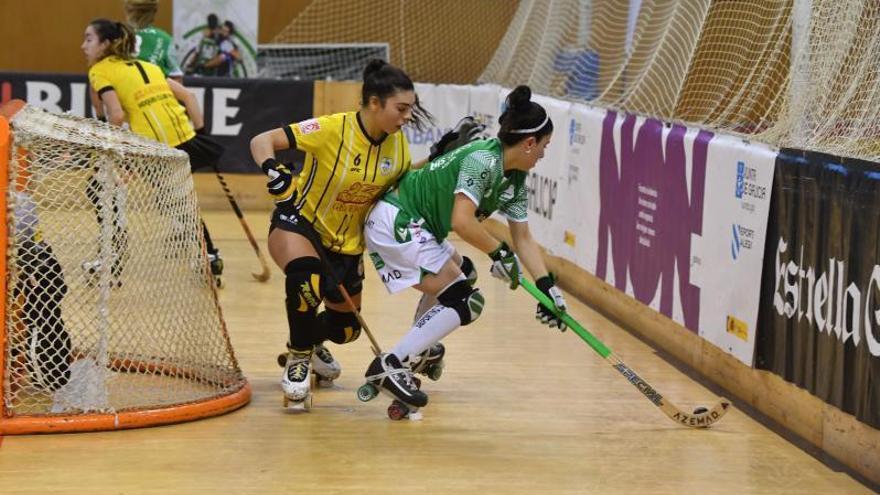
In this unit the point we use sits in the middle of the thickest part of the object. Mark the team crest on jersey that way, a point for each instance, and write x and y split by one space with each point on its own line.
309 126
385 166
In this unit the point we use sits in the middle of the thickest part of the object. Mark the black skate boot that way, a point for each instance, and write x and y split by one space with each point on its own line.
216 263
388 375
428 362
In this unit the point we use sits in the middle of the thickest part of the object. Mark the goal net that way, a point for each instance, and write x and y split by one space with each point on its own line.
318 61
796 73
448 41
110 315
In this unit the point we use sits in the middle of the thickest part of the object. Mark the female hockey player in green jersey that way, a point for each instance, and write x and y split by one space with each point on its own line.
406 240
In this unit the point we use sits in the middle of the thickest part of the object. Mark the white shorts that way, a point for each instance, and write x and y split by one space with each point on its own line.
401 249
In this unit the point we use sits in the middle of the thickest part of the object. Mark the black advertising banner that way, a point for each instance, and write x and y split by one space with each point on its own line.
235 109
819 318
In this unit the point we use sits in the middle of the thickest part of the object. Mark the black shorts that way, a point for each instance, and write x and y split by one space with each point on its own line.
202 150
347 269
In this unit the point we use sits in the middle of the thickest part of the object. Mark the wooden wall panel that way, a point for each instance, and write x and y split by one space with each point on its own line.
45 35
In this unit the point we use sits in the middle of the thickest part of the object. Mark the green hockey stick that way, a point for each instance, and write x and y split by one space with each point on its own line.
700 418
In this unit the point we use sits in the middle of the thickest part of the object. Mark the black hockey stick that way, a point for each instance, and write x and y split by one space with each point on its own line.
265 274
700 418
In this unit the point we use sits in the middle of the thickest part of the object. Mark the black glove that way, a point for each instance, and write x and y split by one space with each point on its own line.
547 285
280 183
505 265
465 131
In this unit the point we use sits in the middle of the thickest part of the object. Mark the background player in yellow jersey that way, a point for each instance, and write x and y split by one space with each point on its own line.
137 93
351 160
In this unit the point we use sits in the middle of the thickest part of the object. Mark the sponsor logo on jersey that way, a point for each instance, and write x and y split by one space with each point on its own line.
309 126
357 194
389 276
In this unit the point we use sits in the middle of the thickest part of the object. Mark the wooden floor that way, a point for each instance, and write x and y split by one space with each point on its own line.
520 408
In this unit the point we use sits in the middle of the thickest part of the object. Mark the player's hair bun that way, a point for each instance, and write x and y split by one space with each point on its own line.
373 66
519 98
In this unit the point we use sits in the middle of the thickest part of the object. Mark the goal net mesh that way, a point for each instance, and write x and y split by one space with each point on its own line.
791 73
110 305
449 41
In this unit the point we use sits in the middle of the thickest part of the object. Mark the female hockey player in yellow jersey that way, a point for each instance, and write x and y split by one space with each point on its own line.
352 158
137 93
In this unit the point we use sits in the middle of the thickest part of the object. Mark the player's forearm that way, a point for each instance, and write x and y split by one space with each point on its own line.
264 145
470 231
527 249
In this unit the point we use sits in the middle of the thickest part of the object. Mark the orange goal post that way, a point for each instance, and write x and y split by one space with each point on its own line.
110 316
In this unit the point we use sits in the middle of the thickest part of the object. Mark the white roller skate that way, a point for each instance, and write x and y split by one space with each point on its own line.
387 375
428 362
325 366
296 380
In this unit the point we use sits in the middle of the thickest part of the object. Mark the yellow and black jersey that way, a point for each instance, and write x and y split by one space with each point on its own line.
146 98
345 173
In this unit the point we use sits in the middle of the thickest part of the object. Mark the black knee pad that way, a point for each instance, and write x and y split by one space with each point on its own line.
303 289
341 327
467 301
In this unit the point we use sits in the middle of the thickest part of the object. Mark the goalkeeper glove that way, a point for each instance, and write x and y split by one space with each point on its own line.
465 131
280 183
547 285
505 265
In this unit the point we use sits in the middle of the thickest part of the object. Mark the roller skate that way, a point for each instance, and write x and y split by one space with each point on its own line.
296 380
387 375
428 362
325 367
216 263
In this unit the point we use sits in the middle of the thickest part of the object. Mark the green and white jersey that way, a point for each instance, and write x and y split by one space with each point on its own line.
475 170
157 47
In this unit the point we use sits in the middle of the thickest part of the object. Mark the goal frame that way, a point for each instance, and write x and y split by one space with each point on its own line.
12 424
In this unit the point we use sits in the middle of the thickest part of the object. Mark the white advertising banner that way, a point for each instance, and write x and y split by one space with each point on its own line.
676 218
448 104
200 36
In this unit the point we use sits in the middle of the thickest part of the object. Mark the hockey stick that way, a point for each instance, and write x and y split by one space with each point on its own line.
265 274
700 418
319 248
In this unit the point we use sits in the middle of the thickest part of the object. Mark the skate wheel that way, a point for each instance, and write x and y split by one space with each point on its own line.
307 402
367 392
397 410
282 359
285 401
218 282
435 371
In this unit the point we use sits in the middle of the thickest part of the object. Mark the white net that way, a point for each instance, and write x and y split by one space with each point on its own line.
449 41
793 73
110 305
323 61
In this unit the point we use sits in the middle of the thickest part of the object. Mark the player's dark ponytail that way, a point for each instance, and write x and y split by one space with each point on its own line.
523 118
383 80
120 36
